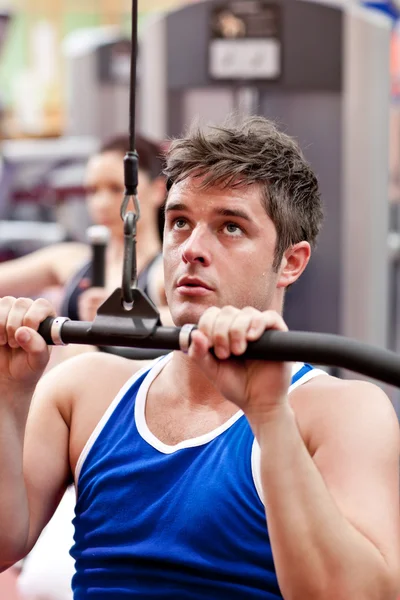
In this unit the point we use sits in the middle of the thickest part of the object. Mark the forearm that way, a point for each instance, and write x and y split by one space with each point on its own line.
14 510
318 554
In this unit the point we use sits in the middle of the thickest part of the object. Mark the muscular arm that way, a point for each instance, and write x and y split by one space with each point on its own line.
30 274
333 508
34 466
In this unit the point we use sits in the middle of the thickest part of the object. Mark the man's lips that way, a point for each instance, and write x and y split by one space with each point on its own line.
192 286
193 282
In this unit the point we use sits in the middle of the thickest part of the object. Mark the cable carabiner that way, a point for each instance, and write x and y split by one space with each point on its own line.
131 178
129 272
130 218
125 203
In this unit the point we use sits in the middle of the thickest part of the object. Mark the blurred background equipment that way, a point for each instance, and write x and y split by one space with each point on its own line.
97 82
98 237
46 185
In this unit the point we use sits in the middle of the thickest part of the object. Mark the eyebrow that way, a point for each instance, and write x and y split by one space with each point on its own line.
223 212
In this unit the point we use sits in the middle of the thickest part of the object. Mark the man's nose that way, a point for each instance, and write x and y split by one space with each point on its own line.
196 249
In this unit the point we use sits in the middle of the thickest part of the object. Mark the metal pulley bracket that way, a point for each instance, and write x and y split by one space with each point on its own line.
113 319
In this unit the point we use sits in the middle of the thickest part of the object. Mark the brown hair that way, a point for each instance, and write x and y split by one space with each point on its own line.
255 152
150 153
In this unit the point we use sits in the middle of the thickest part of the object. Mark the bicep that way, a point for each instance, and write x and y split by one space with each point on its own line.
358 457
46 456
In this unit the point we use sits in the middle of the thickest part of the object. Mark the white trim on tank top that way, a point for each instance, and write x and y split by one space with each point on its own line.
152 440
140 420
100 425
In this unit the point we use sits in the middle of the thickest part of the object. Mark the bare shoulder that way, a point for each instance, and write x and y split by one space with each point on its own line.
85 374
85 386
102 366
331 406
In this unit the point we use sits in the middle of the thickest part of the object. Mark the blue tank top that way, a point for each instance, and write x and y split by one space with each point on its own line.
171 522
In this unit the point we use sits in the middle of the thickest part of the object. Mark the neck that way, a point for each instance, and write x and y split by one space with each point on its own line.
195 390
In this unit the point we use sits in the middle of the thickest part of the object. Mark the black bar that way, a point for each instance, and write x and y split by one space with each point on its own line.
293 346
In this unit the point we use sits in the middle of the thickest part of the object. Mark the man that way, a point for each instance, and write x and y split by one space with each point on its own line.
202 477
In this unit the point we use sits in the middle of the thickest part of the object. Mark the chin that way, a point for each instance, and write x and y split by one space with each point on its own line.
183 315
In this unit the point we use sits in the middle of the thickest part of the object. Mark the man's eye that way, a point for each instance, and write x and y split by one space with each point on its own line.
232 229
180 224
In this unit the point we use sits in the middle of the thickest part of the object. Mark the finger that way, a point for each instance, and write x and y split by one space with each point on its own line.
15 319
199 352
5 307
199 346
35 347
27 336
37 312
220 335
261 322
239 329
206 322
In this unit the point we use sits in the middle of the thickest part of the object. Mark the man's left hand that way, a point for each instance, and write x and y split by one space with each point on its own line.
257 387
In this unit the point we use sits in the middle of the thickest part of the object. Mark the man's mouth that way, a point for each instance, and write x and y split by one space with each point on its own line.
193 286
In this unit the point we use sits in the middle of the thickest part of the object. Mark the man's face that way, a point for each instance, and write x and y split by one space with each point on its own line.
218 250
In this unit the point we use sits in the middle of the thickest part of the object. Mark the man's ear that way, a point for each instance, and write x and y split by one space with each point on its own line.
294 261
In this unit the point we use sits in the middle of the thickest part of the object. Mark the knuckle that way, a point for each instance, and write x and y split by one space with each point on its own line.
229 310
271 313
219 337
259 318
43 303
31 321
7 300
11 328
208 316
237 328
250 310
23 302
212 310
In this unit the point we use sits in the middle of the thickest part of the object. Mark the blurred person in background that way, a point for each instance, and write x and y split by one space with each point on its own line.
67 266
105 189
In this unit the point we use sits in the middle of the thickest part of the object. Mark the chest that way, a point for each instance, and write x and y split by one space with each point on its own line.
173 425
150 514
142 487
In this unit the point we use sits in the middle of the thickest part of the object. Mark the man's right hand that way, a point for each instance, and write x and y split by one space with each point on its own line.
23 352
